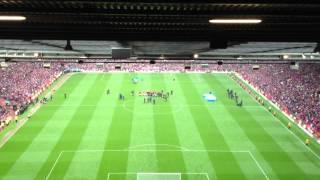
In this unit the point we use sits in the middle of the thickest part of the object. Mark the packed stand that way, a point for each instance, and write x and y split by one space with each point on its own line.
128 67
297 92
20 83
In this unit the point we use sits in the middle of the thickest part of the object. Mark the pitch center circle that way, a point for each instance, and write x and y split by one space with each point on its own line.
173 103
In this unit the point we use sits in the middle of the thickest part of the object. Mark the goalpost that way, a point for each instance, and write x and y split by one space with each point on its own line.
158 176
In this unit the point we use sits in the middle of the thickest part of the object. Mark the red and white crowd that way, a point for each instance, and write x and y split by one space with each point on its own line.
297 92
20 83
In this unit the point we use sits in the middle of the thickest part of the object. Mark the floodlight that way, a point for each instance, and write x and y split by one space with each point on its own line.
12 18
235 21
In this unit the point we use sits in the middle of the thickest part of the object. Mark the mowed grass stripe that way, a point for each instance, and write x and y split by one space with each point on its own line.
291 142
36 154
166 131
233 123
186 129
72 134
142 133
84 164
19 143
232 132
282 164
234 137
296 151
210 134
196 162
119 135
288 141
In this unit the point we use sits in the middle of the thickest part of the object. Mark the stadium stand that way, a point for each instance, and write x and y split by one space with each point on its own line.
21 83
296 92
4 113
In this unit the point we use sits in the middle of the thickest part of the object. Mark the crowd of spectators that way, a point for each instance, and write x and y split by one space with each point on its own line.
297 92
2 112
20 83
128 67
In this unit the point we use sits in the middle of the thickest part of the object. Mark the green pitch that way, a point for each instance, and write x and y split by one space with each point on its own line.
92 135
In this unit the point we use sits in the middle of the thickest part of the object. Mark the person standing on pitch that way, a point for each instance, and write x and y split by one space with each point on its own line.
307 142
289 125
65 95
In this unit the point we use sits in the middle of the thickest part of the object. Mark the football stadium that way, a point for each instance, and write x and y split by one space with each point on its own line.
163 90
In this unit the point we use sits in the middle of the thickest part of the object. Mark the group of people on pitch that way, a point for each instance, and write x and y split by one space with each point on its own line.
121 96
234 96
150 96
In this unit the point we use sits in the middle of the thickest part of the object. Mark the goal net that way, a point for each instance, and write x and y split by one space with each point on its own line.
158 176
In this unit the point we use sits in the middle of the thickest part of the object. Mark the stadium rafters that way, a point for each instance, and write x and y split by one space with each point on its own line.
283 20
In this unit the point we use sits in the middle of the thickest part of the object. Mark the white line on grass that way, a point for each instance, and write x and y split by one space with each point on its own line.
156 145
130 173
33 110
276 118
156 150
299 140
257 163
207 175
150 173
54 165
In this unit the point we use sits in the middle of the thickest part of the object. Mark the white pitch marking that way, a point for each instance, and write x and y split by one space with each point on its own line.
259 166
55 163
156 145
154 150
189 173
262 107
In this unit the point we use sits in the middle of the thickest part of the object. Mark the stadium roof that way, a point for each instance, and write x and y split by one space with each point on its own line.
155 49
162 20
169 28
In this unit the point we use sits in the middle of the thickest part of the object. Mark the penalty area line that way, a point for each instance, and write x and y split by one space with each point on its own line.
54 165
258 165
156 150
